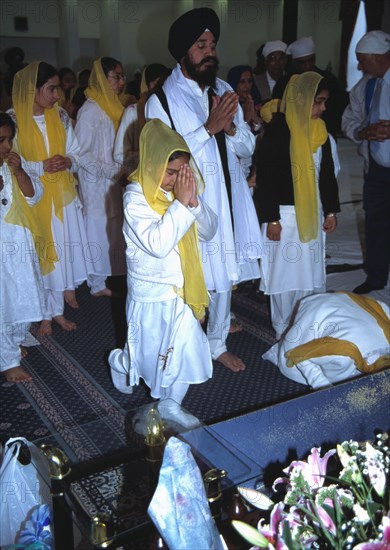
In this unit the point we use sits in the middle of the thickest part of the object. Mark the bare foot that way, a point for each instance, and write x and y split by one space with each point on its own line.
231 361
64 323
45 328
235 326
70 298
17 374
103 292
23 351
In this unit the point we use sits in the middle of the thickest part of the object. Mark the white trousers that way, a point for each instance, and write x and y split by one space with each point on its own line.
96 282
283 305
219 322
55 304
176 392
12 336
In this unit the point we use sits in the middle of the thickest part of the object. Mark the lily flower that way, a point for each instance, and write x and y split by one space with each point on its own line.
383 544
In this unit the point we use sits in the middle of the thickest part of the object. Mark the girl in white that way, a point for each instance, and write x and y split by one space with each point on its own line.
96 126
167 295
21 286
46 140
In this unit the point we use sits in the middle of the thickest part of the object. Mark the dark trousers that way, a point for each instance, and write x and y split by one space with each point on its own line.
376 203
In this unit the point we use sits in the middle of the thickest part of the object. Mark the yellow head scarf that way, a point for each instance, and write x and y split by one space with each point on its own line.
60 187
306 136
99 90
157 143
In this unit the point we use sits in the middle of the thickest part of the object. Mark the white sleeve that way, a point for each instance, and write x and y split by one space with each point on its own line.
335 155
156 237
206 220
125 152
354 117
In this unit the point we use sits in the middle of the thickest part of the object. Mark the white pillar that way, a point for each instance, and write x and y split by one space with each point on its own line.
69 39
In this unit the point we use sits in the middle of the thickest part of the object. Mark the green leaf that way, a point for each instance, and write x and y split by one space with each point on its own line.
250 534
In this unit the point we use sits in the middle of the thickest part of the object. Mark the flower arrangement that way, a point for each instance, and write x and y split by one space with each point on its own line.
349 511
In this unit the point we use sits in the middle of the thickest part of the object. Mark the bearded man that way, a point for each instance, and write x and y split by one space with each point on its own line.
205 111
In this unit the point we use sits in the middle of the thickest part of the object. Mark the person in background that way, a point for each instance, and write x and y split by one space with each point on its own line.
275 59
96 126
240 79
296 196
79 94
303 59
167 295
366 121
126 147
67 89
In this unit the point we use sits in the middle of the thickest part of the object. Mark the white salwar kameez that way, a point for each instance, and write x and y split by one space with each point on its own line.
230 256
101 194
166 345
291 269
70 240
337 316
21 286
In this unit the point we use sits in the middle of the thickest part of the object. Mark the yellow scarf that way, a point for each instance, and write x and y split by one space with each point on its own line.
306 136
157 143
99 90
327 345
59 188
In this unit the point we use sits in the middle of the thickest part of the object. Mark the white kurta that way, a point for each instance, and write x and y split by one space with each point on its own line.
338 316
228 258
21 285
100 192
289 264
70 240
166 344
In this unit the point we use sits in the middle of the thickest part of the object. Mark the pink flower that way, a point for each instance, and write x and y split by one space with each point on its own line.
273 531
313 470
383 544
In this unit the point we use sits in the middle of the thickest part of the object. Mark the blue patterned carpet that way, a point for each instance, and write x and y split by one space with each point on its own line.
71 394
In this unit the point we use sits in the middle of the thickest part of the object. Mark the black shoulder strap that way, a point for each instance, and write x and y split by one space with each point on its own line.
164 103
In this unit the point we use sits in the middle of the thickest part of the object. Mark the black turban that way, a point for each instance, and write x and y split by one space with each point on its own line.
186 30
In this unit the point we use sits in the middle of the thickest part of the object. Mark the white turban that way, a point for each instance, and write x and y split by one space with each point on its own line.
301 47
274 46
374 42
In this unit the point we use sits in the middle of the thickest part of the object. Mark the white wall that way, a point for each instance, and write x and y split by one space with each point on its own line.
136 31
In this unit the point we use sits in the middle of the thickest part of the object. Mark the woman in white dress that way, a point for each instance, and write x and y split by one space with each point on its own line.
21 285
296 196
167 295
96 126
46 140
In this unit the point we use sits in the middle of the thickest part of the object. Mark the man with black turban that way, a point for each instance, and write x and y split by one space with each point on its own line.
205 111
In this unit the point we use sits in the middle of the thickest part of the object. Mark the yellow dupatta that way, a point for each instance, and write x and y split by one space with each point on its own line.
157 143
99 90
60 187
306 136
327 345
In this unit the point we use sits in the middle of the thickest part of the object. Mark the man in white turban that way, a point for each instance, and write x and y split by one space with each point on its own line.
205 111
366 121
274 53
303 59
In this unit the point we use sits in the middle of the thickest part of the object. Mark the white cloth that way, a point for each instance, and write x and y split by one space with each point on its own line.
218 325
126 146
302 47
227 259
99 190
70 239
355 117
274 46
374 42
165 342
380 110
337 316
21 285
